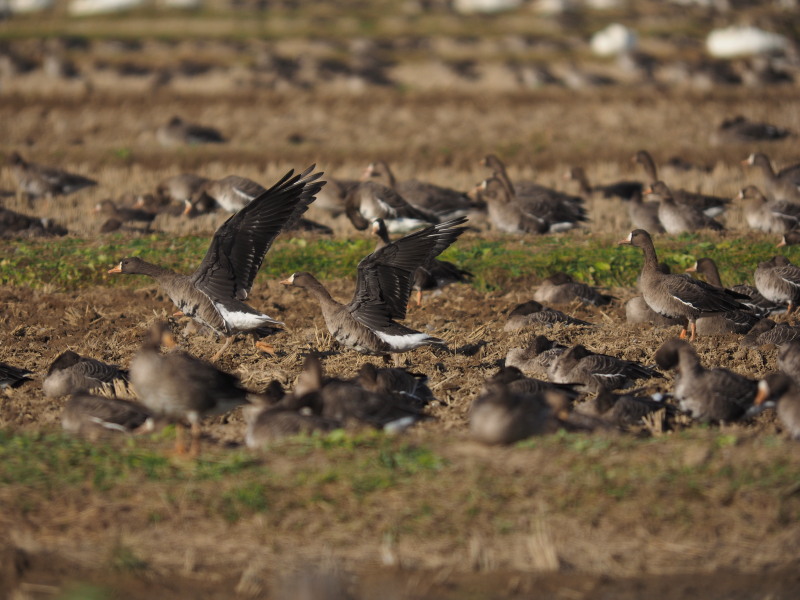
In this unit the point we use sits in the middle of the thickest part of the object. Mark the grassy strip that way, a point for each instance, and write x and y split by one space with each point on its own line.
74 263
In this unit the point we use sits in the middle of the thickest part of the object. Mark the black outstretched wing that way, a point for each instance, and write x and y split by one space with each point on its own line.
239 245
385 276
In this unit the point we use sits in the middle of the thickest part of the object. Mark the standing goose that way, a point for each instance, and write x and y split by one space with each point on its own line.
367 323
433 275
214 294
445 203
733 321
706 394
712 206
771 217
39 180
179 188
644 215
677 296
521 188
786 394
677 218
624 190
370 200
778 280
785 184
180 387
756 303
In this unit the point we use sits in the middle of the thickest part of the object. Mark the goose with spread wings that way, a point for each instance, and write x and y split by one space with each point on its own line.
368 322
214 294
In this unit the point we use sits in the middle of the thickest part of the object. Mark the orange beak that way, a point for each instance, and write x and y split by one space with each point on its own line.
117 269
648 190
692 269
286 282
781 243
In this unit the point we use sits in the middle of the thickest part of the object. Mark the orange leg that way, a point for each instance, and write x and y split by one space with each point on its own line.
419 297
228 340
789 308
683 334
180 446
694 331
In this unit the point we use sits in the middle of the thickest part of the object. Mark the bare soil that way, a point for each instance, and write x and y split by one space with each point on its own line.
734 547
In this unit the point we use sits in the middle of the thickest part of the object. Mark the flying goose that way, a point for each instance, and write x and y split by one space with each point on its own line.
214 294
368 322
678 296
706 394
39 180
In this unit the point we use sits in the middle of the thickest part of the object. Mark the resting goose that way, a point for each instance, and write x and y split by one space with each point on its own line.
706 394
624 190
784 184
678 218
734 321
177 131
625 410
369 200
11 376
70 373
39 180
759 305
778 280
770 217
678 296
561 288
180 387
712 206
214 294
784 391
123 214
86 414
368 322
536 357
518 383
741 129
445 203
410 387
769 333
14 224
532 313
595 372
789 239
433 275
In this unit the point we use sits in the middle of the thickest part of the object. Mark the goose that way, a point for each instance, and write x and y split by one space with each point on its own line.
411 387
181 388
783 184
624 411
678 296
369 200
533 313
789 239
367 323
177 132
712 206
624 190
594 372
770 217
179 188
778 280
38 180
110 209
536 357
445 203
14 224
11 376
433 275
784 391
678 218
789 359
561 288
214 294
70 373
644 215
86 414
517 382
267 425
740 129
759 305
333 197
709 395
524 188
769 333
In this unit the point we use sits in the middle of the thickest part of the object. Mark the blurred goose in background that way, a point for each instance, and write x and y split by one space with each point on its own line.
624 190
712 206
88 415
180 387
267 424
789 239
332 198
778 280
368 322
783 184
445 203
776 216
532 313
708 395
39 180
11 376
678 218
740 129
517 382
523 188
624 411
678 296
214 294
14 224
594 371
433 275
536 357
411 387
789 359
177 132
757 303
70 373
769 333
644 215
784 391
561 288
367 201
109 208
178 189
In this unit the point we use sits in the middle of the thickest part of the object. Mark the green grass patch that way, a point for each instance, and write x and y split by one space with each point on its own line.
74 263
